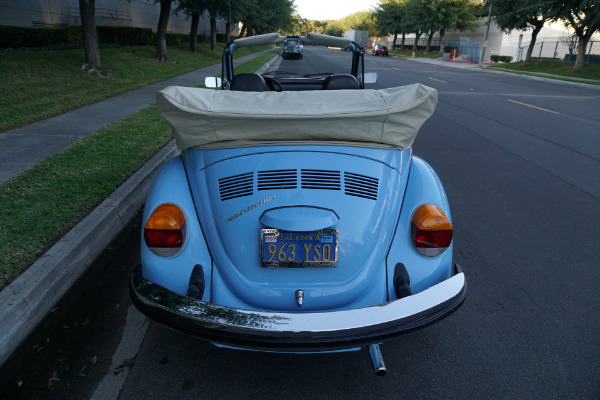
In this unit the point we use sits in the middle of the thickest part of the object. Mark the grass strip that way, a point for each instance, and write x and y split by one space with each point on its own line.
41 84
554 77
555 68
41 204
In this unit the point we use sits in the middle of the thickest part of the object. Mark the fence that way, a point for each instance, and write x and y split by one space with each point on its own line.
561 50
464 45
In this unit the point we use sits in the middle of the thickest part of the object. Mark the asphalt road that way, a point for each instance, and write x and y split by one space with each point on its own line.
520 162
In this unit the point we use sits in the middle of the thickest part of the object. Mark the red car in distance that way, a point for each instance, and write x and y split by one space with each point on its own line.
379 50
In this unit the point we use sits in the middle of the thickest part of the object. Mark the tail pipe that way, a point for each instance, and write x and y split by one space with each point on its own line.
377 358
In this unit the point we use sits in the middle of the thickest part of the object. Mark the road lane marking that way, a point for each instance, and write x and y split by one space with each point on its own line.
439 80
397 69
529 105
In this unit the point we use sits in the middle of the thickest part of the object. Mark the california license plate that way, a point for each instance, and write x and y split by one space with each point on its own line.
282 249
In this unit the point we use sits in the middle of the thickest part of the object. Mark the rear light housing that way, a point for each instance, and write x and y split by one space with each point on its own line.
431 230
165 230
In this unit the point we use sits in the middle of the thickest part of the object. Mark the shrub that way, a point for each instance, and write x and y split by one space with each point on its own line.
125 35
17 37
74 34
498 58
589 59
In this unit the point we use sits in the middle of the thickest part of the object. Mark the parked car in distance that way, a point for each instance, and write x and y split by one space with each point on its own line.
379 50
297 218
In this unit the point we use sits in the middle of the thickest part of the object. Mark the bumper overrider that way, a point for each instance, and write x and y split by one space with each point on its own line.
308 331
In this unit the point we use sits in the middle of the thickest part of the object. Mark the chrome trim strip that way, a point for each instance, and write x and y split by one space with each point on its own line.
308 330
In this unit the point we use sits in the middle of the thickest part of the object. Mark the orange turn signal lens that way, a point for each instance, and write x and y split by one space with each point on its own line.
166 216
165 230
431 230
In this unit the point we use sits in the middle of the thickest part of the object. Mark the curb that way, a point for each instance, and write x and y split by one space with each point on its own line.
268 64
27 300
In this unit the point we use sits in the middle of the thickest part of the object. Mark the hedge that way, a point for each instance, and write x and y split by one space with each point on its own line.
498 58
17 37
589 59
125 35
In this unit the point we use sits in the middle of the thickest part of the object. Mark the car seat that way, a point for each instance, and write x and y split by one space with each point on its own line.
341 81
248 83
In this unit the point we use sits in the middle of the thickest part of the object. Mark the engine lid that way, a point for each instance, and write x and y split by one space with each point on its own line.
239 192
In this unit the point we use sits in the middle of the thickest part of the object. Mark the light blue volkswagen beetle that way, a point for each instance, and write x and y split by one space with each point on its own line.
297 218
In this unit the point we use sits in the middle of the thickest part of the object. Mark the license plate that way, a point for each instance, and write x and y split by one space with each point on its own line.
282 249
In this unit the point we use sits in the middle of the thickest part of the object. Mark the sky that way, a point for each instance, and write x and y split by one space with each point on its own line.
332 9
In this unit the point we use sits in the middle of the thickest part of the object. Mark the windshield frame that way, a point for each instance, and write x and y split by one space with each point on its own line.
357 68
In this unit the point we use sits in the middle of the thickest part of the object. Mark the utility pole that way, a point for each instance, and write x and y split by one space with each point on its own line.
485 38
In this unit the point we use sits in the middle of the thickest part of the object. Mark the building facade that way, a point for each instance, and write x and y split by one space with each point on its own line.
133 13
498 42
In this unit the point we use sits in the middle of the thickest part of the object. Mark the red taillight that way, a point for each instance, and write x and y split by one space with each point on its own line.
164 238
431 230
164 232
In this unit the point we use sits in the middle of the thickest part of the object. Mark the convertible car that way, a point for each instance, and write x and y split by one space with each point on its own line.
296 218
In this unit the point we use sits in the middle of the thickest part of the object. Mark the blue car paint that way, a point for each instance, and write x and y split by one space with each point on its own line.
424 186
274 289
173 273
239 281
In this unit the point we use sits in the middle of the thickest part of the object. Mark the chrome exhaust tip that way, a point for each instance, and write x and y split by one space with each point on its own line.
377 359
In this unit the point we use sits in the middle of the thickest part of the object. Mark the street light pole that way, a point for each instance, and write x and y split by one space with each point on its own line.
485 38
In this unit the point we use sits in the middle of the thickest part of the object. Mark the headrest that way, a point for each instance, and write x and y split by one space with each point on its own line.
248 83
342 81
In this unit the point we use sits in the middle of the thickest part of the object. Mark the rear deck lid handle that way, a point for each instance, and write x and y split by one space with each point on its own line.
299 218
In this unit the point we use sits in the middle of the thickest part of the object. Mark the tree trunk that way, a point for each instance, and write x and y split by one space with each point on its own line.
582 43
243 30
442 41
402 42
213 33
194 33
394 42
415 44
537 28
228 27
431 32
161 30
87 8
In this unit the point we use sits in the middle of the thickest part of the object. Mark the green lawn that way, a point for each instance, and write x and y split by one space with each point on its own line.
40 84
41 204
554 67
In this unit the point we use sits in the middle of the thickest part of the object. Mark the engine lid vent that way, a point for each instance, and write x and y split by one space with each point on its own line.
277 179
236 186
361 185
321 179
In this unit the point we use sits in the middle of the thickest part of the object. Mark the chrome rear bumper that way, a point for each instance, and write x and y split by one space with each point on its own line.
311 331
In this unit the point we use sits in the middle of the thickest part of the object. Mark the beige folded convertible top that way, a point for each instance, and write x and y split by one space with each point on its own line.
208 118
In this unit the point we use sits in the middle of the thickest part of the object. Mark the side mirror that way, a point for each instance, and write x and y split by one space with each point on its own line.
370 77
212 82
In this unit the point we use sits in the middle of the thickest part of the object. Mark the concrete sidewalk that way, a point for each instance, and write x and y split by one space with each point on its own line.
27 300
23 147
